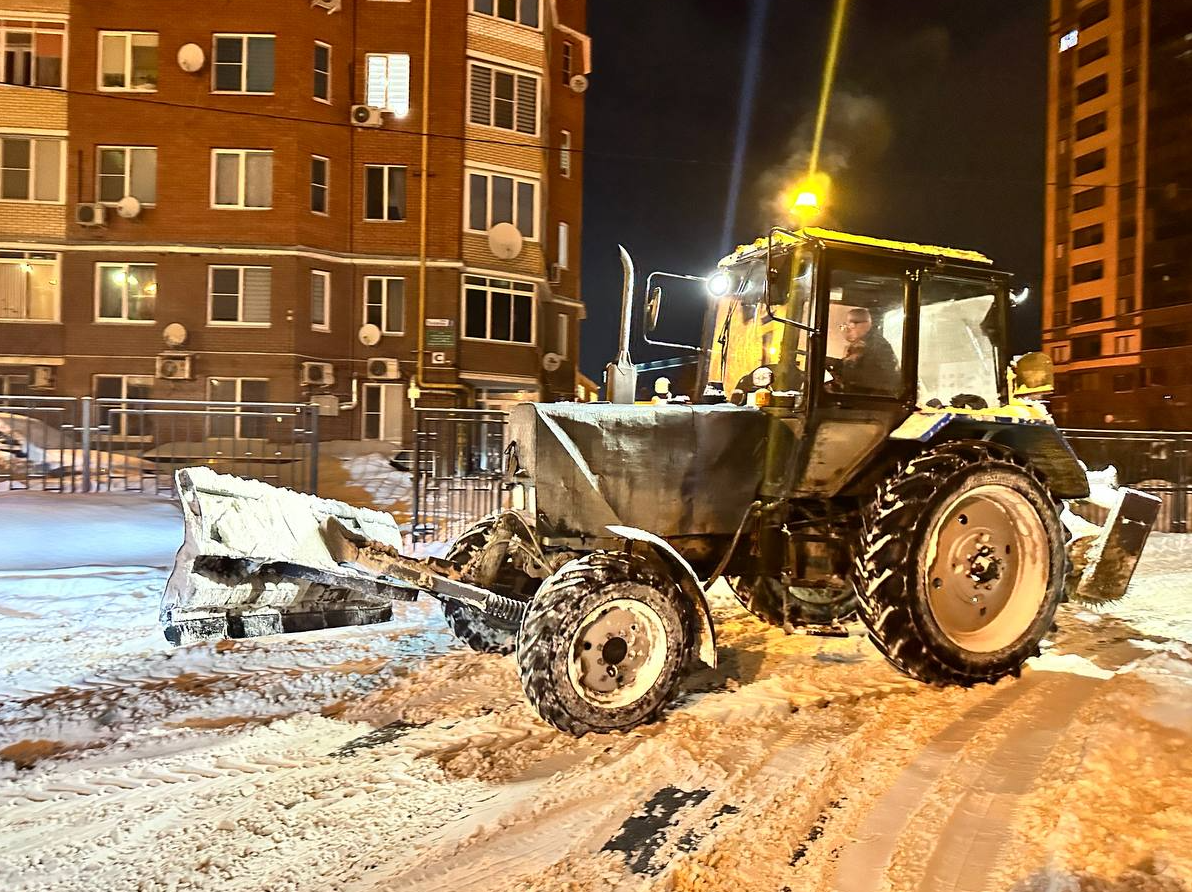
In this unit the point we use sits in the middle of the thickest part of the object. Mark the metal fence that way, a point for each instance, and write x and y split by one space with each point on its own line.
458 468
1158 462
81 444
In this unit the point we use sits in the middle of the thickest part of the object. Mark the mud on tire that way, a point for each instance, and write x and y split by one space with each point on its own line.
916 558
564 635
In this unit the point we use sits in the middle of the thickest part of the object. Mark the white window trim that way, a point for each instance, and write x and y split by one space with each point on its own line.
562 334
127 150
128 35
565 154
144 380
234 412
33 168
221 323
123 318
330 68
57 262
41 18
326 277
242 186
243 91
493 17
463 310
385 305
379 387
473 61
385 194
563 250
326 185
389 104
489 173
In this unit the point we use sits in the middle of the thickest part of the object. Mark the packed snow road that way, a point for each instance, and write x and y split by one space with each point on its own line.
389 758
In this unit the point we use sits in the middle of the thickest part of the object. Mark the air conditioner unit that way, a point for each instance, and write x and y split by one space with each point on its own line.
367 116
43 377
384 369
556 274
174 366
318 373
91 215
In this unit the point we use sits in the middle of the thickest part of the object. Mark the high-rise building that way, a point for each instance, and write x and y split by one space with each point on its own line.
1117 308
369 202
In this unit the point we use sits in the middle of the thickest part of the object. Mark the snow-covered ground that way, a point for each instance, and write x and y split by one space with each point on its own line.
389 758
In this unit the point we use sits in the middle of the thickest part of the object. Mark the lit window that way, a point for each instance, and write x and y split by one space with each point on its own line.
498 310
1069 41
239 295
31 169
28 287
503 98
564 245
243 63
242 179
389 82
127 170
562 334
125 292
127 60
385 303
384 192
493 198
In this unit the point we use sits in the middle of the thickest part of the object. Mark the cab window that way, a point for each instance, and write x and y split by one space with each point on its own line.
958 323
865 333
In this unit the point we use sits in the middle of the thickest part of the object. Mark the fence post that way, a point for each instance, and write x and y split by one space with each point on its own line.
313 410
1179 507
417 479
85 403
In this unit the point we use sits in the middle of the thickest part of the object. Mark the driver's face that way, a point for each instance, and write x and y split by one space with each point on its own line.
856 329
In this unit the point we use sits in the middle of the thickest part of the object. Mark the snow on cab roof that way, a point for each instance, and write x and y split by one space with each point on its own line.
829 235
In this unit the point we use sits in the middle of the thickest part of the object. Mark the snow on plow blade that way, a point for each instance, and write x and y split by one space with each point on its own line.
259 560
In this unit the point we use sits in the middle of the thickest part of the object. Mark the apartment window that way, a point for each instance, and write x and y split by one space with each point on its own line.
1060 354
1086 382
125 388
565 153
127 60
1089 199
1088 272
382 411
1159 337
388 84
1094 14
28 287
243 63
31 169
1086 310
1123 344
1093 161
1091 126
320 300
33 52
1092 88
493 198
125 292
384 192
1086 348
498 310
568 62
503 98
242 179
1088 235
562 334
564 245
240 421
1090 53
523 12
320 172
239 295
1123 383
385 303
127 170
322 85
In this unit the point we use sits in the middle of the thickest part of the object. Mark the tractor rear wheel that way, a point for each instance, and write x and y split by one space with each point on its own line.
961 564
765 598
519 576
604 644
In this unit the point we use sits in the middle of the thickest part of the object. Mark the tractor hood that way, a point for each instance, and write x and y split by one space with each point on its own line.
670 470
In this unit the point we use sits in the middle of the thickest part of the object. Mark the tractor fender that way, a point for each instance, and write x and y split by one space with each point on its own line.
688 583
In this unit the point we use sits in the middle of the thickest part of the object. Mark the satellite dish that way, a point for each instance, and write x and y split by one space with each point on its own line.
551 361
369 335
191 58
175 334
505 241
578 83
129 207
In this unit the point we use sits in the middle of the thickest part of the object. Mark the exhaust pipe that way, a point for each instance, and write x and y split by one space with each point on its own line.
620 376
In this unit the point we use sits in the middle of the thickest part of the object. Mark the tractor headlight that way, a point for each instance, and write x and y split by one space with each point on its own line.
719 283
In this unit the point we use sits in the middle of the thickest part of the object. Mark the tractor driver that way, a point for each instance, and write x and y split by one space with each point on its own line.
869 364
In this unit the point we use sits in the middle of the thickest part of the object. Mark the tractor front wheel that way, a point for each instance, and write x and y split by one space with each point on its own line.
961 565
604 644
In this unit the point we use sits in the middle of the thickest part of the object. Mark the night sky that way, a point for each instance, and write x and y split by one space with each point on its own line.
936 134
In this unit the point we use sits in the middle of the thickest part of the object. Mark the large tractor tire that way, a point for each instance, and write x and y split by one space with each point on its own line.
604 644
961 564
763 596
519 576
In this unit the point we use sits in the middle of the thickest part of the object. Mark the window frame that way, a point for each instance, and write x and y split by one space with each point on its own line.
516 22
40 23
562 334
63 146
128 36
563 248
122 431
122 319
239 323
39 258
565 154
325 185
377 389
494 68
244 37
325 276
488 174
236 412
127 150
329 98
242 187
385 193
389 106
488 289
385 330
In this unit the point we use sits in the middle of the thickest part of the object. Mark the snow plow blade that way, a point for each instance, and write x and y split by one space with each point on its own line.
261 560
1112 556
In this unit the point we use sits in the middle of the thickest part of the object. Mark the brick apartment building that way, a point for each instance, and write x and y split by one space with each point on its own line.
193 206
1118 283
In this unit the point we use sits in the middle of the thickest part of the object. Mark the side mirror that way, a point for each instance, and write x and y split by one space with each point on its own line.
1033 373
653 307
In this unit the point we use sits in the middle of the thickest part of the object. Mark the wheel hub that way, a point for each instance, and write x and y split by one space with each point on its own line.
617 653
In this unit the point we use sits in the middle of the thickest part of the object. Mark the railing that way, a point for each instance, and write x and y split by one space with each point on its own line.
68 444
458 470
1158 462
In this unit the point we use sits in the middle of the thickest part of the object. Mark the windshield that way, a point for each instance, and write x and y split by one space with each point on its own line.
958 338
747 337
